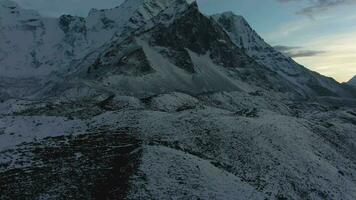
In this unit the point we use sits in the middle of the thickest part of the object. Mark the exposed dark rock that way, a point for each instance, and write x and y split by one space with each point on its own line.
92 166
69 23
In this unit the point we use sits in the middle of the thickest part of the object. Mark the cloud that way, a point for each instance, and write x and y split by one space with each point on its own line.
315 6
339 59
282 48
296 52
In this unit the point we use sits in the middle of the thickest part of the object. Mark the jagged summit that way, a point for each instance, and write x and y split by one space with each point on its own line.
148 8
232 16
170 57
133 14
51 46
308 82
11 12
240 31
8 4
352 81
11 7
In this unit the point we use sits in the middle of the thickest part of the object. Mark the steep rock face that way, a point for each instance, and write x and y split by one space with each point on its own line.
308 82
197 33
182 50
36 46
129 59
51 46
43 49
22 32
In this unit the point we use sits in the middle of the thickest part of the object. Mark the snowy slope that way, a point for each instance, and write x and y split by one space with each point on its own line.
35 46
309 83
35 50
212 146
50 47
173 171
25 41
163 57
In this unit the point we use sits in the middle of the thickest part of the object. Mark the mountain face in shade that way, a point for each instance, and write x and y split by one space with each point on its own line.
36 49
352 81
35 46
165 56
153 100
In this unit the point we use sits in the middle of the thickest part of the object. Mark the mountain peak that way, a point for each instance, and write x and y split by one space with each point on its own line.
239 30
231 15
13 14
150 5
352 81
135 13
232 18
8 4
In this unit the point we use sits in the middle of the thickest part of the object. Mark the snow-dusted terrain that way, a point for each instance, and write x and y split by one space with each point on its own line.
309 83
155 100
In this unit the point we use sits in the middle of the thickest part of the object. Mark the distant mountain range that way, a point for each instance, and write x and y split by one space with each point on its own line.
154 99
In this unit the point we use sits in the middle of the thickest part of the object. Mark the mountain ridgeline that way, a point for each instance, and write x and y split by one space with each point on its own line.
146 47
352 82
155 100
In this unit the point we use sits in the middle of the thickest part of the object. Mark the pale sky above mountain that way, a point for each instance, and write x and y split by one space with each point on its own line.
320 34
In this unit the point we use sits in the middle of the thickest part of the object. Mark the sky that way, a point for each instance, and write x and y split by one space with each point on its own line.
319 34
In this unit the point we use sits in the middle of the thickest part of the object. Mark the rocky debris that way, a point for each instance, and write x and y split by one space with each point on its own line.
247 112
90 166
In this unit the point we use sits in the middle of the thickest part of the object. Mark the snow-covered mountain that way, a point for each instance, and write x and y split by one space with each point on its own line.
310 83
153 100
352 81
34 46
162 56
